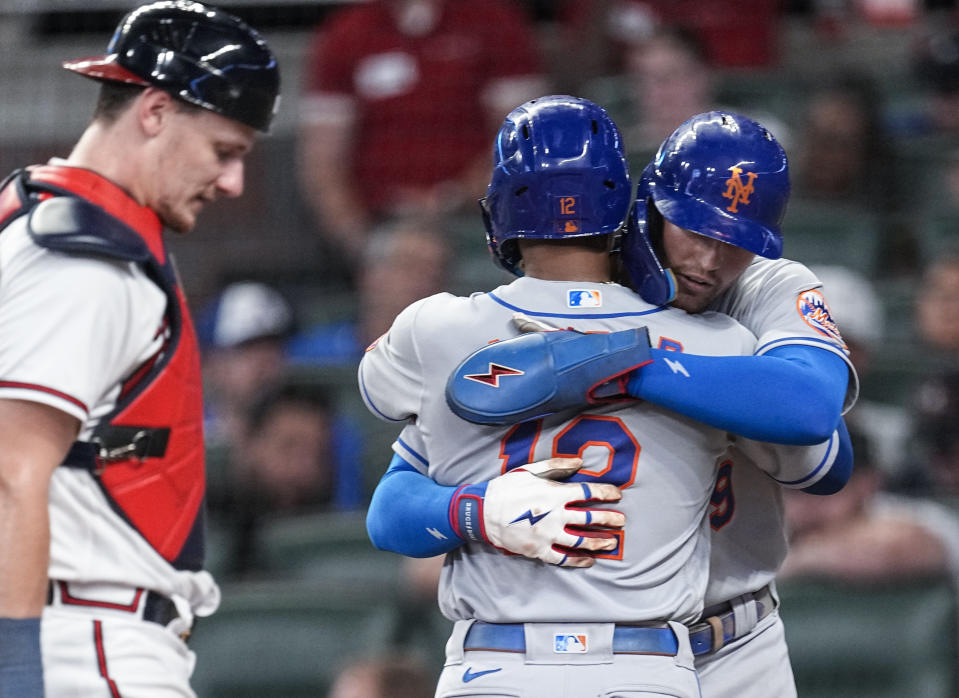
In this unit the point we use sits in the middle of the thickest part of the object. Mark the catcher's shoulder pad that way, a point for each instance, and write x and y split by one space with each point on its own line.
74 225
541 373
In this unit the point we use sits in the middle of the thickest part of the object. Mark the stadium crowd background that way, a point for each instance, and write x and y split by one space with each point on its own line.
864 95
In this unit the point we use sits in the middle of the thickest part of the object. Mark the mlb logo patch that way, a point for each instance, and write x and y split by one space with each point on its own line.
568 227
568 643
583 298
815 312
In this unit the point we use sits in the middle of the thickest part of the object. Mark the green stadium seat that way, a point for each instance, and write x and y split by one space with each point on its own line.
286 639
888 641
940 234
330 548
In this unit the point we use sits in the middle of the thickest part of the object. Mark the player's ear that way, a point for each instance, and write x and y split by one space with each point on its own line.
153 109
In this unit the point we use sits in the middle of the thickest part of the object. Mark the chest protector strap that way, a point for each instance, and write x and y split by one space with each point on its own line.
147 453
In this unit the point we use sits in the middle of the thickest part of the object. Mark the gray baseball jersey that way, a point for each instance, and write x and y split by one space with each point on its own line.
665 462
780 301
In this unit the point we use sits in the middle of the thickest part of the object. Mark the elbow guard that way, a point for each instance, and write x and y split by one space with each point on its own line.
541 373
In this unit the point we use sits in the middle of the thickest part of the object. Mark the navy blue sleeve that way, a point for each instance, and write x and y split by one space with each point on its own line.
791 395
841 469
409 513
21 670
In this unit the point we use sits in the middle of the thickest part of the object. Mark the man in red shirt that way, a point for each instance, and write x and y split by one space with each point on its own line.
401 101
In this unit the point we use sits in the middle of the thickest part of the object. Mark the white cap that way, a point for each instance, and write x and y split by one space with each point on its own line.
853 303
247 311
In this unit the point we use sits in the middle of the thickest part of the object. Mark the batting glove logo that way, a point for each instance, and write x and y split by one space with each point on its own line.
533 520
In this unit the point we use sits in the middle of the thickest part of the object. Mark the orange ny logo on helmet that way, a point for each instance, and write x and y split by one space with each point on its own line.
736 190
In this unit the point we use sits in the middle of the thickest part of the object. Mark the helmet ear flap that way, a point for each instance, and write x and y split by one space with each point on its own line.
508 259
654 283
643 234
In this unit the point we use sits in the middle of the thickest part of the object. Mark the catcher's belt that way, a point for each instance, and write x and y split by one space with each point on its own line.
145 604
731 620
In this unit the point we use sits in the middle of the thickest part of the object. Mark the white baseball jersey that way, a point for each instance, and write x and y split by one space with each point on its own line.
665 462
72 328
49 305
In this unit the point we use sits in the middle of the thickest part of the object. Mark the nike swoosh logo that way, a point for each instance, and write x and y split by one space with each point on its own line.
469 675
533 520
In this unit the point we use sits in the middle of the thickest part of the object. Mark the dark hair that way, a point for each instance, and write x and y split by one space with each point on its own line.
687 39
862 449
115 97
936 405
292 392
936 61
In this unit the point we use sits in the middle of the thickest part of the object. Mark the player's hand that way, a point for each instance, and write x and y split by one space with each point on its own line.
529 512
526 324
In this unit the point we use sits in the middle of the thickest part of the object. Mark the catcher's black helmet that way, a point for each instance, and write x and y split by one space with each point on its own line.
200 54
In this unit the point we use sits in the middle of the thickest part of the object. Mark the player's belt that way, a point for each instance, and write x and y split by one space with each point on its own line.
721 624
627 639
146 604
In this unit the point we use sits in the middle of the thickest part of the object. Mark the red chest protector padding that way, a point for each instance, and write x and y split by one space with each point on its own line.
147 454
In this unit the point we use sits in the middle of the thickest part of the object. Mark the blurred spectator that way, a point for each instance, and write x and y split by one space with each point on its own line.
843 159
858 312
421 624
937 307
403 262
668 80
421 578
862 534
935 69
936 405
386 677
295 456
402 97
934 460
592 39
242 333
842 153
733 33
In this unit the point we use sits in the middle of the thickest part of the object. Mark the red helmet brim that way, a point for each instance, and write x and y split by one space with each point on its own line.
104 68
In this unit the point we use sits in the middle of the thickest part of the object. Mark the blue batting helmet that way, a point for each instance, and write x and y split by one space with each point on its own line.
559 171
200 54
719 174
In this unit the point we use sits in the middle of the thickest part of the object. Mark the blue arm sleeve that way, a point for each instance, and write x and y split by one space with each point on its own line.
790 395
841 469
21 671
409 513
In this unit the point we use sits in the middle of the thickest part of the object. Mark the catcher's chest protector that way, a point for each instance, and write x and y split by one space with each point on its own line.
147 453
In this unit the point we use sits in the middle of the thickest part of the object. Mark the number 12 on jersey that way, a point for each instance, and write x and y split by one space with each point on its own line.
586 431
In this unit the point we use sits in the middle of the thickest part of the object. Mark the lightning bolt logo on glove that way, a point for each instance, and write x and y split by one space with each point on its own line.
533 520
